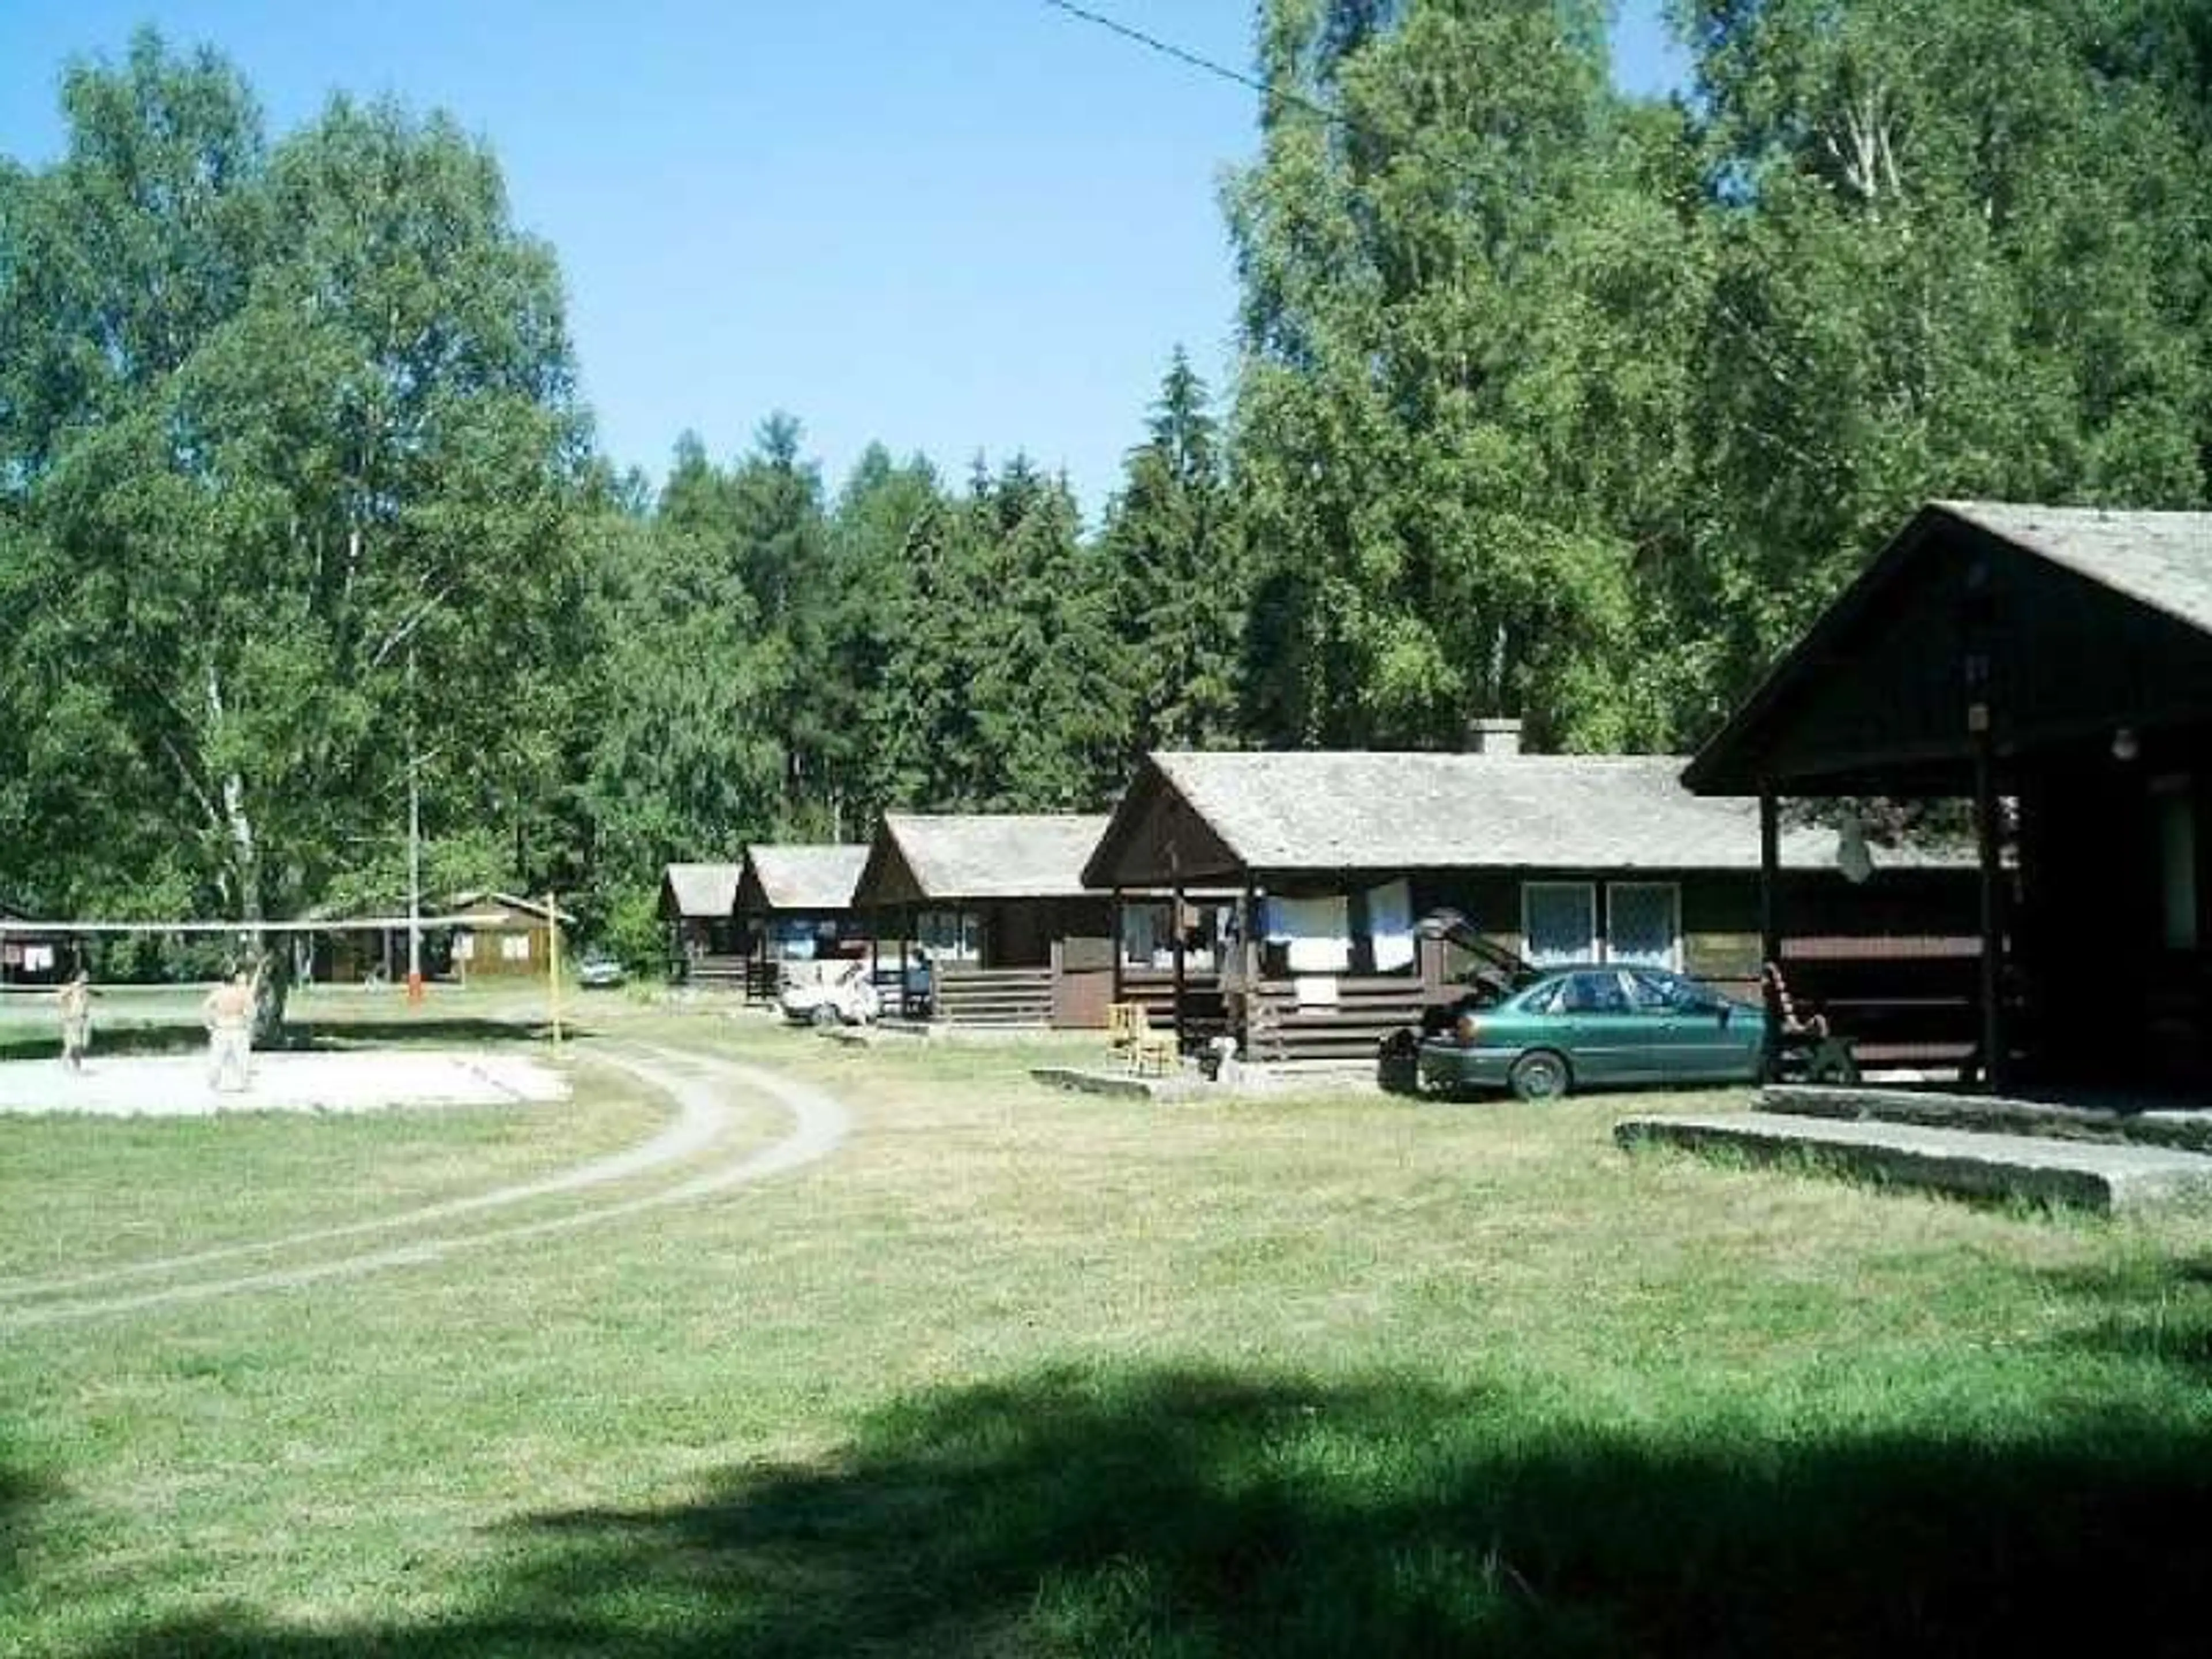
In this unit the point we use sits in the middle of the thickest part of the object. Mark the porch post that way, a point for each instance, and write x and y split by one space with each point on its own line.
1113 943
1989 838
1181 1013
1769 923
1247 966
905 926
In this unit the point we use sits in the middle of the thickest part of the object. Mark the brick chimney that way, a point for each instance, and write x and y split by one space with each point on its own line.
1493 737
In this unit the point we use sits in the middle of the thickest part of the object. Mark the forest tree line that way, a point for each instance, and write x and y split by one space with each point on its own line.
1550 402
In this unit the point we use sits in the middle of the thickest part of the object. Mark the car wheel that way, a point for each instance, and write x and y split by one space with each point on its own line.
825 1017
1540 1074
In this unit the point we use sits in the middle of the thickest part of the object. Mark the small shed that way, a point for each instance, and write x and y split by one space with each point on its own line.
2052 666
499 935
1334 856
794 904
997 904
698 906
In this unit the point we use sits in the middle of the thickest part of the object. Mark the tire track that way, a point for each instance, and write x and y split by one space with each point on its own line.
819 1125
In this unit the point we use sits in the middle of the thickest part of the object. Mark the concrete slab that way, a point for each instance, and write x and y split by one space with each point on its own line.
2187 1130
1122 1085
2090 1174
352 1081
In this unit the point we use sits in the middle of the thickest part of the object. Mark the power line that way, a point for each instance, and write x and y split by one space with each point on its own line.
1196 60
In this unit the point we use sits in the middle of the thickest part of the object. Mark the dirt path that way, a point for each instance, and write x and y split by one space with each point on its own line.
698 1083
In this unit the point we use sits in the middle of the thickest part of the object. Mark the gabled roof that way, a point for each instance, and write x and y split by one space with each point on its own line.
2106 617
2163 559
489 910
793 877
1214 815
700 890
953 857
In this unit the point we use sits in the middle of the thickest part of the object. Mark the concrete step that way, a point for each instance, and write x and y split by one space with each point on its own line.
2105 1177
2182 1130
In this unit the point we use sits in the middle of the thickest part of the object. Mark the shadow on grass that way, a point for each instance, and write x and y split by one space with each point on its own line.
1193 1514
180 1037
2155 1311
22 1494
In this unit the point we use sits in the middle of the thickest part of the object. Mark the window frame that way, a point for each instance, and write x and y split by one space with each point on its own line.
1588 891
1673 965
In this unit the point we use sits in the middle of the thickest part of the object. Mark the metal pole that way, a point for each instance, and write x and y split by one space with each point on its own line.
414 846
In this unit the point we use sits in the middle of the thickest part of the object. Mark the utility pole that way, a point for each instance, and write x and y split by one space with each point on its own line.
414 846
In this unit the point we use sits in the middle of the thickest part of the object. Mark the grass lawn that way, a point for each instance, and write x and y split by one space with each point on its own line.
1018 1372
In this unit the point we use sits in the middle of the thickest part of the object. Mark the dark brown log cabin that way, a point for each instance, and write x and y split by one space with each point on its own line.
996 903
1335 857
2053 666
794 902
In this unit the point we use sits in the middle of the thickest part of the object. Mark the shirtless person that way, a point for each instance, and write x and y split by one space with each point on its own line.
73 1000
228 1012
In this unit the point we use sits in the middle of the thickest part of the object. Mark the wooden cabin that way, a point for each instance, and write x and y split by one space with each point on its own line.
794 903
1332 859
34 959
996 905
500 936
698 907
2053 666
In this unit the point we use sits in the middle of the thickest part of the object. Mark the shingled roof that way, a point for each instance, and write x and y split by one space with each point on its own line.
966 856
1320 811
816 876
2163 559
701 889
2088 619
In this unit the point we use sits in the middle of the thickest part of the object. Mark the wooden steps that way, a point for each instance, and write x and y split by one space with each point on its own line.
994 996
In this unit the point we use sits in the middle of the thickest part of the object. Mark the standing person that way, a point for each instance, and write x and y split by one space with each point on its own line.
228 1013
73 1000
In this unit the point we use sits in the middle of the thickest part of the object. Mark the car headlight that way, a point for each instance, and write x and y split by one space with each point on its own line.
1465 1029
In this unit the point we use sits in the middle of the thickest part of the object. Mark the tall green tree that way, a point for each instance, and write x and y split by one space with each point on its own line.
1442 200
290 443
1176 569
1956 250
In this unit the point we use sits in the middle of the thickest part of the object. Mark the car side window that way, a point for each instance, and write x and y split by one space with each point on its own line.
1654 995
1594 994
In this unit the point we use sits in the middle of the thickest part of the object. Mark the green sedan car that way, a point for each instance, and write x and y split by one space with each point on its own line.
1595 1027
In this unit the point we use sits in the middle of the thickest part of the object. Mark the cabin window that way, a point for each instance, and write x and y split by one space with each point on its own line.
1643 923
1148 934
951 935
1558 923
514 947
2177 858
465 947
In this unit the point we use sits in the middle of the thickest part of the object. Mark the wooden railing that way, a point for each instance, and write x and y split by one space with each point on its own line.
1903 1001
1153 989
715 972
1367 1010
993 996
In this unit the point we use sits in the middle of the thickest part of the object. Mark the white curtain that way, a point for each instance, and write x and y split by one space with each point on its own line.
1317 930
1390 925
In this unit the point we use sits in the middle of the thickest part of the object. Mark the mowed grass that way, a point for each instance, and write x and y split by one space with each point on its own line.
1020 1372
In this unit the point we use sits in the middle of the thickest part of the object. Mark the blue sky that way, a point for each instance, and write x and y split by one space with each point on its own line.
971 226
